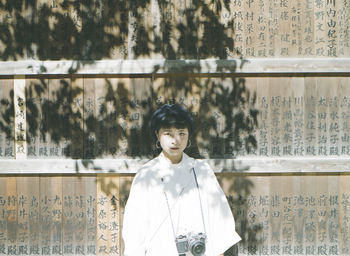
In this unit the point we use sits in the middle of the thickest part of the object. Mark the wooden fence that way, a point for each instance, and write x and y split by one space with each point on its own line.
291 214
267 83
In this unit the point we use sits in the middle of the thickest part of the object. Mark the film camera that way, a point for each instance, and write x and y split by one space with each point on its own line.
193 243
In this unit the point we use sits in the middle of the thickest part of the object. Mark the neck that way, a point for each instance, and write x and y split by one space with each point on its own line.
173 159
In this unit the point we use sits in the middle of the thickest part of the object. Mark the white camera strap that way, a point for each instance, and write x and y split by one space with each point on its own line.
200 203
169 209
200 199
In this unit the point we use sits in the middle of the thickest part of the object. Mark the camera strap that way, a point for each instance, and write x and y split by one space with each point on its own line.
171 219
200 203
200 199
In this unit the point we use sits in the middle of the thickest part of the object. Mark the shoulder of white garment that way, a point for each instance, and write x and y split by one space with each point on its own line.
147 174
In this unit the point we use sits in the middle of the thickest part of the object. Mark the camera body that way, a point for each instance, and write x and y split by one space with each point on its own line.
191 244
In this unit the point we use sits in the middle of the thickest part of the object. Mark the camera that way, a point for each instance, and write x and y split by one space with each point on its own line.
193 243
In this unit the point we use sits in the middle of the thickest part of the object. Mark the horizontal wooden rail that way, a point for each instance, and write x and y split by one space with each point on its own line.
161 67
244 165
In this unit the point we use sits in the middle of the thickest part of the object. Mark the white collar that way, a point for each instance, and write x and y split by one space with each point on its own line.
166 162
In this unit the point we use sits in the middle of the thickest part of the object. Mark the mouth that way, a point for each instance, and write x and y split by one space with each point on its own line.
174 148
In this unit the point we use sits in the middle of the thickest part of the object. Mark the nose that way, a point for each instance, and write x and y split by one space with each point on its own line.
176 139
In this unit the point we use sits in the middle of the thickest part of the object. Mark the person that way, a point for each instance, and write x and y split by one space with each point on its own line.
176 205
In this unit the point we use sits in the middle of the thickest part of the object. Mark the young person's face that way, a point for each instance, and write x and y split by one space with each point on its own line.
173 142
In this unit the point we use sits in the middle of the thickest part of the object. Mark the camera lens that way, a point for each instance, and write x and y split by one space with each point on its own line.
198 249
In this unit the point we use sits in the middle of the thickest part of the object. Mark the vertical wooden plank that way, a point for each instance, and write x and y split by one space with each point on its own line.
112 109
4 19
287 228
250 31
37 94
331 29
250 85
299 216
262 193
132 26
102 219
55 195
263 103
61 120
308 45
217 117
226 19
289 36
90 119
11 209
114 218
205 127
124 190
91 214
68 226
155 22
343 12
51 215
28 14
276 212
7 146
344 210
238 22
284 15
334 116
323 92
344 126
79 210
273 43
262 29
45 216
154 18
321 211
118 143
20 123
77 101
320 28
108 210
118 46
276 129
23 220
287 128
34 215
3 215
139 116
298 85
58 98
100 116
333 210
309 185
310 125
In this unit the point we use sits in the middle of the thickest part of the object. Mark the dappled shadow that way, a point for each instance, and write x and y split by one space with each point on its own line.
56 30
91 118
238 192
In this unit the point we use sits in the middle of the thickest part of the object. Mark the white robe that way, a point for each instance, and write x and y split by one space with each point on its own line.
148 228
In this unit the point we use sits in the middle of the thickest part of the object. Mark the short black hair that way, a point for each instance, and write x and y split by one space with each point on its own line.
168 116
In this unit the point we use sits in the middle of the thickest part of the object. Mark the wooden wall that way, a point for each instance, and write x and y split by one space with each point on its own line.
82 215
107 117
267 83
174 30
289 197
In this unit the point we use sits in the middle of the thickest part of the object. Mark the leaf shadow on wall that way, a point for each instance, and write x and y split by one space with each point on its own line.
91 118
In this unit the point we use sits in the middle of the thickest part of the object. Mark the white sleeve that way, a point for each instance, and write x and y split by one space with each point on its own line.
135 219
221 222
